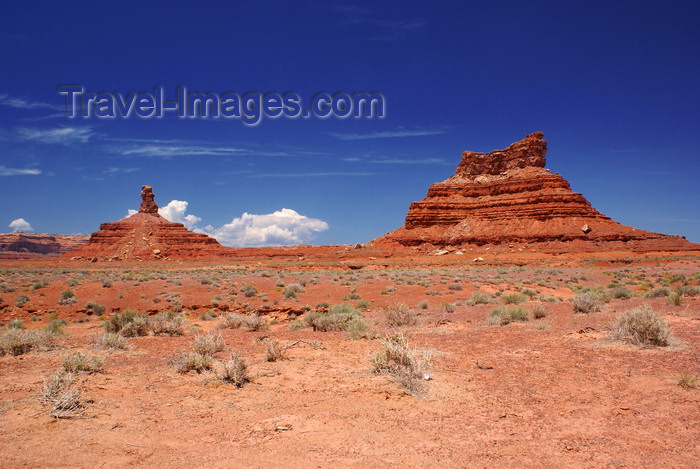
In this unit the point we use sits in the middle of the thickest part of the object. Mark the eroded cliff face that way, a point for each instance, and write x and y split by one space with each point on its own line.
37 245
147 235
506 197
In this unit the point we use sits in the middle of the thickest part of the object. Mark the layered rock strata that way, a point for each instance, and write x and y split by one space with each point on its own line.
147 235
36 245
507 197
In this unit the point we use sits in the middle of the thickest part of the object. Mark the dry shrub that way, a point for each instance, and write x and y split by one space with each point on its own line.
65 402
687 380
81 362
641 326
506 314
167 323
274 351
19 341
480 298
235 370
128 323
208 344
400 315
586 303
337 318
110 341
398 360
239 321
539 311
193 361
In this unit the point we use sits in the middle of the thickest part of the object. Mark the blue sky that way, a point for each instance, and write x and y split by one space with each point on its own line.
613 86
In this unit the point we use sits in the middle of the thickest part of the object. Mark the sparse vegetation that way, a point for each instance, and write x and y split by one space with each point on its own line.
400 315
128 323
67 298
82 362
167 323
235 370
336 319
274 351
586 303
398 360
513 299
16 324
208 344
642 326
18 341
110 341
240 321
193 361
687 380
504 315
480 298
65 402
55 326
21 300
96 308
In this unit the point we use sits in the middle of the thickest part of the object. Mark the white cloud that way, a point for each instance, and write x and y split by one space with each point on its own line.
21 103
175 212
282 227
5 171
20 224
387 134
62 135
131 211
179 150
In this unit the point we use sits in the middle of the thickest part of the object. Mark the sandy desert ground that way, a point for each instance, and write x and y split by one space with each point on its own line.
559 390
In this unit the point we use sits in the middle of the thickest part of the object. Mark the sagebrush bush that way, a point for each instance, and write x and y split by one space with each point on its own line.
480 298
18 341
586 303
128 323
55 326
398 360
513 299
67 297
357 327
687 380
658 292
249 291
274 351
208 344
240 321
539 311
16 324
336 319
82 362
110 341
641 326
400 315
506 314
621 293
235 370
65 402
21 300
167 323
96 308
675 298
193 361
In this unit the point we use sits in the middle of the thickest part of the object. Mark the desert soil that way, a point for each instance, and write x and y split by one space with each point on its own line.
557 391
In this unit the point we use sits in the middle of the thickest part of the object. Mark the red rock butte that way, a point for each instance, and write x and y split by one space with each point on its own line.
147 235
507 197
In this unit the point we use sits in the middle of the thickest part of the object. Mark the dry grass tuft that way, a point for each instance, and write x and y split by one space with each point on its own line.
641 326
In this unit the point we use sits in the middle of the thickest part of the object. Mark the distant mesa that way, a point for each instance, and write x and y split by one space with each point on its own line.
37 245
507 198
147 236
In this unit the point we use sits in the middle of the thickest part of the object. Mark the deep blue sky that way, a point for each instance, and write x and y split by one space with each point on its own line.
613 85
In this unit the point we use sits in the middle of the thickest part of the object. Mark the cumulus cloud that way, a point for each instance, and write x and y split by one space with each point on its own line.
175 212
282 227
20 224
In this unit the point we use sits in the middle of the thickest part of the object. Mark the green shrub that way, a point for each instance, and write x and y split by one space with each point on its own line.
96 308
336 319
81 362
658 292
506 314
21 300
641 326
55 326
513 299
621 293
249 291
364 304
128 323
357 327
480 298
67 298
